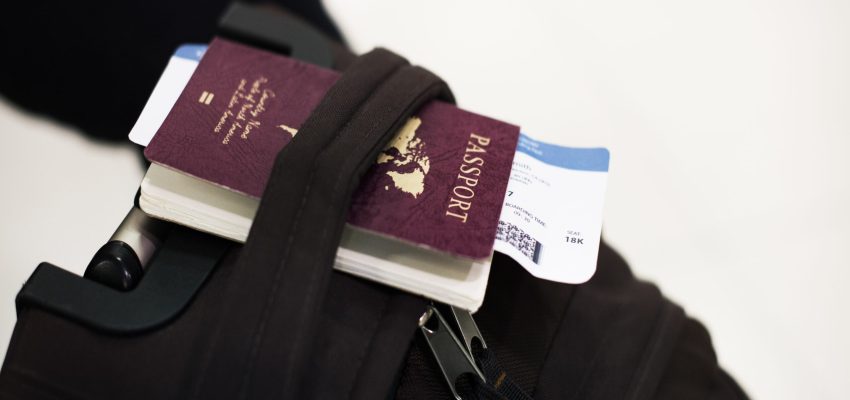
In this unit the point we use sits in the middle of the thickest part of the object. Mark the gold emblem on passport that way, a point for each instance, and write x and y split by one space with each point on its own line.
206 98
409 164
292 131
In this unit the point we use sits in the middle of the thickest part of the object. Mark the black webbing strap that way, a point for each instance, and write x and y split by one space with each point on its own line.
266 343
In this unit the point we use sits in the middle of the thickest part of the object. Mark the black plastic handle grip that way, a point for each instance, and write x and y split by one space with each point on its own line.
174 275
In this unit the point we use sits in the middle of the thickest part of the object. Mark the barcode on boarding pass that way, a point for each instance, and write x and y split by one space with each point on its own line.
516 237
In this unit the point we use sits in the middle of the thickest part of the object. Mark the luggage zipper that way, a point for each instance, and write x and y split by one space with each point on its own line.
454 358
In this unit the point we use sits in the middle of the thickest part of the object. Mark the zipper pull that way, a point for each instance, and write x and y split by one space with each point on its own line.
468 329
451 356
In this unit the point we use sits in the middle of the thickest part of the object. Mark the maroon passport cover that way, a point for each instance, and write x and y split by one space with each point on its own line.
440 183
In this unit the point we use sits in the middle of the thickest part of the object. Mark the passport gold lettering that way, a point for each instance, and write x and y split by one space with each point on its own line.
460 202
467 169
461 217
247 104
227 114
251 124
236 93
471 182
463 192
474 148
484 141
231 132
463 205
261 105
243 111
473 160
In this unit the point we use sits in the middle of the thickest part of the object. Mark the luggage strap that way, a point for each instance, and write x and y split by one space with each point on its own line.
269 331
279 333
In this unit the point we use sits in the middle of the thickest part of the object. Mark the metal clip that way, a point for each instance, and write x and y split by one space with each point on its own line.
451 356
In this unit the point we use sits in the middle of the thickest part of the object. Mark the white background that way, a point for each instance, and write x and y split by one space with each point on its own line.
727 123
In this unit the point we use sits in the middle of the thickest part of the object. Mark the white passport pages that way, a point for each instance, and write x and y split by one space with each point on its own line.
200 205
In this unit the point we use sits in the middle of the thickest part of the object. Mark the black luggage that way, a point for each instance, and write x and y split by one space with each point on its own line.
272 319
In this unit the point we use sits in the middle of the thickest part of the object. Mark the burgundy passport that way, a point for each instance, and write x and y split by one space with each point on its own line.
439 184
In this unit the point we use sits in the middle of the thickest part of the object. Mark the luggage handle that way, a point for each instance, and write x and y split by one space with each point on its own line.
175 274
